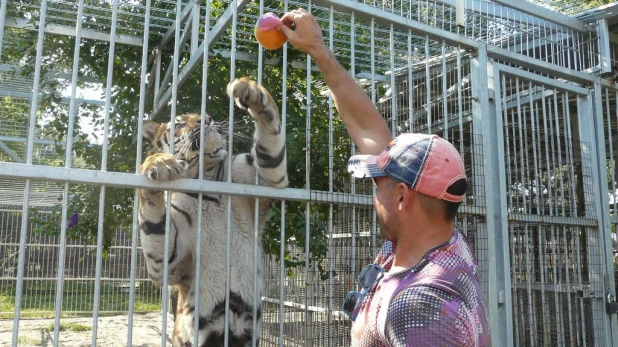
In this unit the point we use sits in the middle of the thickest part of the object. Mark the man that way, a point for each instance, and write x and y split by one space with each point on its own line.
423 288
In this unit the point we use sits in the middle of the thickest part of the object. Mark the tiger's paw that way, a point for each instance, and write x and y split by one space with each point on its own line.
248 94
162 167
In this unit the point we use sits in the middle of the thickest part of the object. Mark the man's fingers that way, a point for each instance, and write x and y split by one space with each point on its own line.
284 28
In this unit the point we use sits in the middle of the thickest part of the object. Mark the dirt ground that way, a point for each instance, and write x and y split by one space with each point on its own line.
77 332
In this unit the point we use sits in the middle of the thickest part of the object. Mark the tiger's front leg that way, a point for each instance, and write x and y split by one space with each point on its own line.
268 154
152 204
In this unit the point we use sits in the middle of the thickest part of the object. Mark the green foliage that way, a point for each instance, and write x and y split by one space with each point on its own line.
53 122
74 327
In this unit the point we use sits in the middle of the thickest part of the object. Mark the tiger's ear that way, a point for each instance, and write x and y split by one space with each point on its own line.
150 130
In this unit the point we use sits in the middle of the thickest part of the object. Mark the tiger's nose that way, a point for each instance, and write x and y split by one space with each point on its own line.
207 120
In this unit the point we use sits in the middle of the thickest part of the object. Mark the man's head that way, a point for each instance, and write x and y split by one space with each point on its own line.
427 164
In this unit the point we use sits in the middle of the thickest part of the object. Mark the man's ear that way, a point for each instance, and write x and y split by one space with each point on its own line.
404 195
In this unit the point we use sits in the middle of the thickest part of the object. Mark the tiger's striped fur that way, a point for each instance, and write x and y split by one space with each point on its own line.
267 159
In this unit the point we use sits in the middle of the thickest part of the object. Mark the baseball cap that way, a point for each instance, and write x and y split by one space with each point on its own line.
426 163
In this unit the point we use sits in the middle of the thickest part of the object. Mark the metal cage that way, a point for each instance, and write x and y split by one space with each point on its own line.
525 90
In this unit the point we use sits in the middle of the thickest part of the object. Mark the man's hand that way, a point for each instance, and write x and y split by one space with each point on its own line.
307 36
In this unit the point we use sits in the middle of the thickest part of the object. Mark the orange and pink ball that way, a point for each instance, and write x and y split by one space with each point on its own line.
266 34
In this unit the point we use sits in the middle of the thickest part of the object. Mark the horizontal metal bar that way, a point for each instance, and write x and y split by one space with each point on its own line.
73 279
70 31
495 11
553 220
543 13
28 96
526 62
50 74
399 22
456 40
125 180
302 307
549 287
91 247
24 140
537 79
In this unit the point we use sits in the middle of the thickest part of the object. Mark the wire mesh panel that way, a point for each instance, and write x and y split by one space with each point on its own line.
556 263
82 81
41 272
610 126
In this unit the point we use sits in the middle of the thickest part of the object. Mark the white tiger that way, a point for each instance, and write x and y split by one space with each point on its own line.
267 159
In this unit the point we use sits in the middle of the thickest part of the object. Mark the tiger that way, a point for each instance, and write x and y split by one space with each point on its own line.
268 160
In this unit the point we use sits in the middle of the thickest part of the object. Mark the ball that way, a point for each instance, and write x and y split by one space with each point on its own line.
266 34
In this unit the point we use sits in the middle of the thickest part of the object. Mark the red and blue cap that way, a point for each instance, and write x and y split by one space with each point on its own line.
426 163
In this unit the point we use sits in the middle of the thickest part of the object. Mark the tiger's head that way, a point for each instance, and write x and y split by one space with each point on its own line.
187 141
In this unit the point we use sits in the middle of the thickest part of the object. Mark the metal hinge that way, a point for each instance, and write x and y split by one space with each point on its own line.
611 306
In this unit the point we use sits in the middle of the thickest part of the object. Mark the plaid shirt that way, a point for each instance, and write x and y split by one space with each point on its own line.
439 302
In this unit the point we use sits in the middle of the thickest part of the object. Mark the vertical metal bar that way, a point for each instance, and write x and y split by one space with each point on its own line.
104 149
558 134
373 101
256 215
444 93
353 147
522 157
410 127
460 105
484 78
556 158
568 282
505 113
529 309
34 102
609 135
524 182
538 189
138 161
2 18
168 209
591 115
551 150
228 259
157 72
200 212
67 164
513 235
566 123
547 326
195 27
428 82
331 154
309 275
282 272
393 83
540 203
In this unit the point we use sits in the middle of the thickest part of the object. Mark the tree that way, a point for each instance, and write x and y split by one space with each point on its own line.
53 121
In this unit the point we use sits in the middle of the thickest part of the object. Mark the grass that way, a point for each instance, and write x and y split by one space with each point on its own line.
39 300
28 340
74 327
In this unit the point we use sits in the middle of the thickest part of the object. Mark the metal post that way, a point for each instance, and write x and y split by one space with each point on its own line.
487 123
591 130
